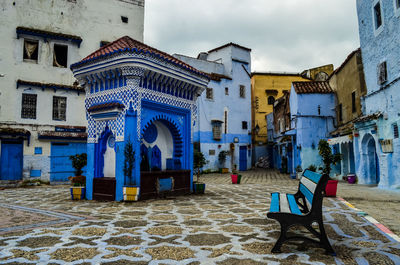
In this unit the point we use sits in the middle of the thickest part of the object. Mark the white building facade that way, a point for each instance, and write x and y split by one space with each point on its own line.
224 109
42 112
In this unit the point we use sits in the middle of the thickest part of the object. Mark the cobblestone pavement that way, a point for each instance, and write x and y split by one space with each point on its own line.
227 225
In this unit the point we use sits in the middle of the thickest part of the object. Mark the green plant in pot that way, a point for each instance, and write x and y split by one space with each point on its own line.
130 191
199 161
328 159
235 177
222 159
78 181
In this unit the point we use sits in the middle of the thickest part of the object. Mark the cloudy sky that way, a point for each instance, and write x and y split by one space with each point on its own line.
284 35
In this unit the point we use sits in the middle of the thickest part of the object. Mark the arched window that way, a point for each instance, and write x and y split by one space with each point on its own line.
271 100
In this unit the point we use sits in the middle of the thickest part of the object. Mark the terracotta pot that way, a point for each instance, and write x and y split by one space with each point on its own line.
331 188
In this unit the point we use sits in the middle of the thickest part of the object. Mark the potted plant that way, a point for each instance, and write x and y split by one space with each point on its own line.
199 161
299 172
235 177
78 182
221 159
130 192
328 159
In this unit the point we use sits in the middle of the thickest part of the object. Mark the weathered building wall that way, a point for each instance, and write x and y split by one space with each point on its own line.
264 85
378 45
93 22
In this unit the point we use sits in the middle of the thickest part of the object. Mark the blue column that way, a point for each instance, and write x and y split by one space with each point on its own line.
131 120
90 171
119 170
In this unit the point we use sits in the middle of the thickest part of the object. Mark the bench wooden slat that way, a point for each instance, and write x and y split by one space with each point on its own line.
283 203
309 184
293 205
315 177
308 194
274 203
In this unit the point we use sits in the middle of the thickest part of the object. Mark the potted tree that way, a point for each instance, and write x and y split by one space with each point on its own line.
328 159
235 177
222 159
130 192
78 182
299 171
199 161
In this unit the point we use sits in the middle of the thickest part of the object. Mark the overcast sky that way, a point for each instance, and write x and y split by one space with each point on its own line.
284 35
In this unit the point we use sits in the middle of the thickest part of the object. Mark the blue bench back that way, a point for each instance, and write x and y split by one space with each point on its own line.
308 185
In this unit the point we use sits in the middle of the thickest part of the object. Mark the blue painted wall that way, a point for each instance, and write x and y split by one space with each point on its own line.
312 118
377 46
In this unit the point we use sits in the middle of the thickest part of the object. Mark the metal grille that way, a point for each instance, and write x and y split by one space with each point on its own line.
28 108
59 108
209 93
395 131
242 90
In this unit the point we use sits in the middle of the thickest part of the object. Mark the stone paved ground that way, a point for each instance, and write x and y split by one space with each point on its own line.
227 225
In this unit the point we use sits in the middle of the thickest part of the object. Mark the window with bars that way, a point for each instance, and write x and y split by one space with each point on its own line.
242 91
382 73
59 108
28 106
216 129
395 131
209 93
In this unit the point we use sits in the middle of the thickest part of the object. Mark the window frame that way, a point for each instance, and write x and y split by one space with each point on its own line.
54 55
217 130
377 29
25 107
59 111
37 50
353 102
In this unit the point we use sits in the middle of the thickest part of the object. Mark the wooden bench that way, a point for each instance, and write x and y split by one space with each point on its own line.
302 208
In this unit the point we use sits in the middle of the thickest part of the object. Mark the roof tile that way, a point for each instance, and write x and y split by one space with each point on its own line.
320 87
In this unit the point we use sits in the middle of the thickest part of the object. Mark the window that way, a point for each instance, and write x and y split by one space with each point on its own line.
340 113
225 122
60 55
377 15
209 93
103 43
28 107
211 152
382 73
59 108
244 125
124 19
242 91
353 101
216 129
395 131
227 89
31 50
38 150
271 100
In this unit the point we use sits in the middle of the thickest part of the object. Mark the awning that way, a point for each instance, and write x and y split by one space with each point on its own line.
341 139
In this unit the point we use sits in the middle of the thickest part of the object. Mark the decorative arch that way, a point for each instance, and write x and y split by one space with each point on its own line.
173 127
370 159
100 149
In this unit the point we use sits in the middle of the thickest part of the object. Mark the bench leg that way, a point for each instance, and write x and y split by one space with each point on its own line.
324 239
281 239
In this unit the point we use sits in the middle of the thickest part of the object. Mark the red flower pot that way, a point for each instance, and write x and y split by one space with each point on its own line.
331 188
234 178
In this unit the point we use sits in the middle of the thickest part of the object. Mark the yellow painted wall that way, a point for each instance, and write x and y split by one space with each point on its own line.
260 82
